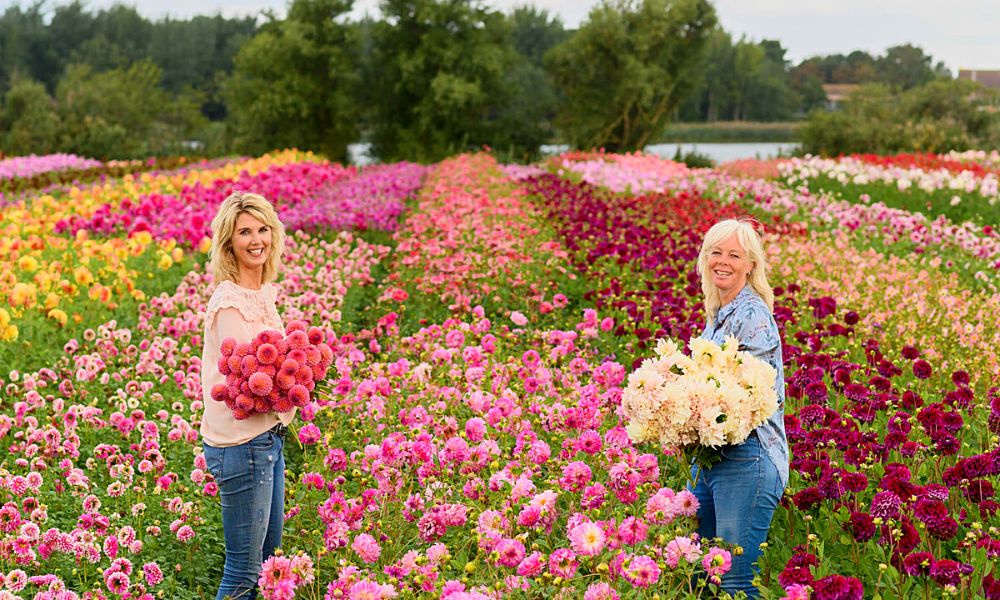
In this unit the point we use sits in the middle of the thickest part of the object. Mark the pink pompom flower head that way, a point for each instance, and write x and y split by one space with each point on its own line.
273 372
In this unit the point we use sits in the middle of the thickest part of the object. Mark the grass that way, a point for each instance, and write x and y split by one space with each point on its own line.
731 132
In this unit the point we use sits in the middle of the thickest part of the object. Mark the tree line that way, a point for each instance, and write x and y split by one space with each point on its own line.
424 80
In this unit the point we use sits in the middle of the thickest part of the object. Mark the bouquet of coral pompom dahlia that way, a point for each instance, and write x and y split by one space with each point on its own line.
274 372
694 404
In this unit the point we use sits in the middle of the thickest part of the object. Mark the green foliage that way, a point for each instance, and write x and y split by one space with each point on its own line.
694 159
42 44
533 100
24 43
731 131
533 33
443 76
741 81
627 68
901 68
122 113
294 84
906 66
28 122
937 117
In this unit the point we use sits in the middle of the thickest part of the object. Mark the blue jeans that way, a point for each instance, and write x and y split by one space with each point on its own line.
737 498
251 480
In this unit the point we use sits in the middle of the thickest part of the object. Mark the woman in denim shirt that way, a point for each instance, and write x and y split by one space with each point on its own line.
738 495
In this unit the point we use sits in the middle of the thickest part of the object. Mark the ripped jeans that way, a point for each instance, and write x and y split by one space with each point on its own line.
737 498
251 480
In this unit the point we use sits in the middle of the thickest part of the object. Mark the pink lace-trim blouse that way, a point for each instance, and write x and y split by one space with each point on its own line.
241 314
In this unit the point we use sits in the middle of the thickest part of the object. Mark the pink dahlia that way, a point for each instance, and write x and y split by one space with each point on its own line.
366 547
641 570
682 547
531 565
266 354
260 384
511 552
600 591
587 539
298 394
562 563
717 562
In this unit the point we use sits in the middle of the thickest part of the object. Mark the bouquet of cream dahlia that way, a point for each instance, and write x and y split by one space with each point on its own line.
716 396
274 372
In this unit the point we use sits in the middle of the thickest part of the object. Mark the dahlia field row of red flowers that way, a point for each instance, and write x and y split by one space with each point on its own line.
468 440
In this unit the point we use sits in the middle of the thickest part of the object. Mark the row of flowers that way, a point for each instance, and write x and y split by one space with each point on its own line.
869 219
968 195
844 396
101 497
309 196
635 173
482 455
56 278
468 232
976 163
986 158
26 166
902 175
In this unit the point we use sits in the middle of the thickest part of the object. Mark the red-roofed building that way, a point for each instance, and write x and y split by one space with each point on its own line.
990 79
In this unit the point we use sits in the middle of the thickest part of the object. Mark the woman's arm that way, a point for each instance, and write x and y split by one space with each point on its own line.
751 324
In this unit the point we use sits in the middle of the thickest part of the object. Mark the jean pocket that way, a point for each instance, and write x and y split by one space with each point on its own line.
746 452
214 461
264 441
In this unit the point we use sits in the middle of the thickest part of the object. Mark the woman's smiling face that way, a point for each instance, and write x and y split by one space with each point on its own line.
729 267
251 242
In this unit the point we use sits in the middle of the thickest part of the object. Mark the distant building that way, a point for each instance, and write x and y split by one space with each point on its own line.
836 93
990 79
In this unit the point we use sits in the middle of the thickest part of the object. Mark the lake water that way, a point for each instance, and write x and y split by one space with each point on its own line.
718 152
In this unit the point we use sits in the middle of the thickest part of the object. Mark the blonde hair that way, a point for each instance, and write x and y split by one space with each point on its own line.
754 247
222 262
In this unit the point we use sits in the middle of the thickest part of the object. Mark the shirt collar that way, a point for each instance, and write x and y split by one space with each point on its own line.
745 294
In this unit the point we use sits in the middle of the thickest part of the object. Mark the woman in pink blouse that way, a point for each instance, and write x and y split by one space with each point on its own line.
245 456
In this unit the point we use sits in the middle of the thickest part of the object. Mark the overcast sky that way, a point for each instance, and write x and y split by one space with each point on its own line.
962 33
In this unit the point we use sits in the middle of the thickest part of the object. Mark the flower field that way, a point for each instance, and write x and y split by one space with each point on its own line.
469 440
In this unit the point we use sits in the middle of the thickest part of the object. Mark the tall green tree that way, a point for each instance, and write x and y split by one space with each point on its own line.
114 113
529 115
906 66
534 32
120 38
438 80
627 68
28 122
25 44
294 83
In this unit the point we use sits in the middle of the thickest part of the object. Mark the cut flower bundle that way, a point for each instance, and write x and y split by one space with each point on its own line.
274 372
714 397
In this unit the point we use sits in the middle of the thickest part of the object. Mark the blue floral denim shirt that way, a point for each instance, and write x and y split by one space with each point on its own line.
748 318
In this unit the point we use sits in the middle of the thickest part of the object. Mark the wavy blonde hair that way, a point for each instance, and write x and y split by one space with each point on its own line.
754 247
222 262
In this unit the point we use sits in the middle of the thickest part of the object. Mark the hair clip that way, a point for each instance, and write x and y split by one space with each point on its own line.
756 225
